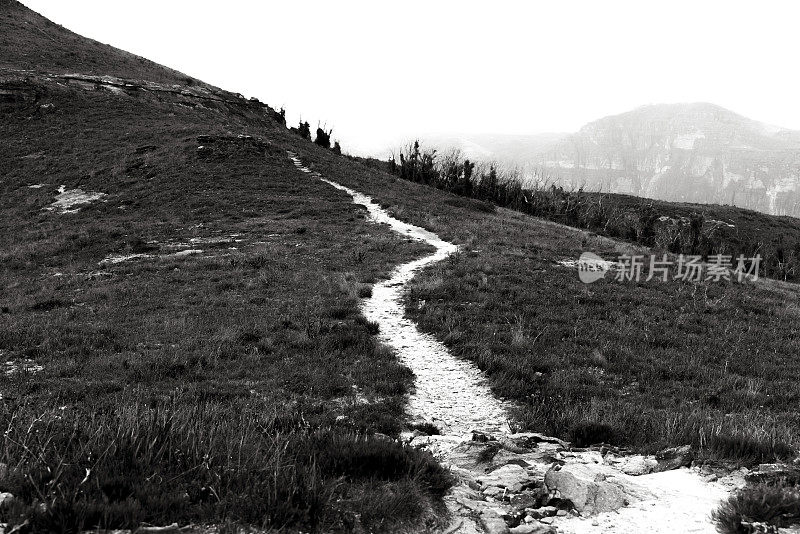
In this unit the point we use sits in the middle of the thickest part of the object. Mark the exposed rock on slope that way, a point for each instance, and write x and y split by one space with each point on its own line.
595 488
530 483
684 152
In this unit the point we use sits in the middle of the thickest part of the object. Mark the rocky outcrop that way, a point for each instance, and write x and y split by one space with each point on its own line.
683 152
510 478
14 93
522 483
674 458
24 88
635 465
531 483
594 488
501 481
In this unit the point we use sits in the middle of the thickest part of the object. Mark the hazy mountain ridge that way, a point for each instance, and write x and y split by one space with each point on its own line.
506 148
684 152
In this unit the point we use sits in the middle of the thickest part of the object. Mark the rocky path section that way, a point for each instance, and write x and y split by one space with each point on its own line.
528 483
524 483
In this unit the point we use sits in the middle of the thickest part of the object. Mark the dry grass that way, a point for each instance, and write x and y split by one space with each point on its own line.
653 364
777 506
239 385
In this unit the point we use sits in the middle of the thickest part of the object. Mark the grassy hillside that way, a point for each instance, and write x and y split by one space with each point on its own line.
741 229
704 230
223 374
233 383
644 365
31 42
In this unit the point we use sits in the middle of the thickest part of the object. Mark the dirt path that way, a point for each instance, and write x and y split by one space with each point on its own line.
518 483
450 393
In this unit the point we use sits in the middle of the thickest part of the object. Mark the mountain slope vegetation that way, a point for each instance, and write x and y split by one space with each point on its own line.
186 346
653 363
31 42
180 324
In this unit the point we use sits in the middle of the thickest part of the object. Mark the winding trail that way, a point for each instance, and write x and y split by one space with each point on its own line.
449 392
452 394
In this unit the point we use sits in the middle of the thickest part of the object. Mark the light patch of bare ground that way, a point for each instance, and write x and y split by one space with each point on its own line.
70 200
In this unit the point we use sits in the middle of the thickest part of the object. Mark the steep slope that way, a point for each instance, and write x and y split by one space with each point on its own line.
182 340
685 152
180 328
31 42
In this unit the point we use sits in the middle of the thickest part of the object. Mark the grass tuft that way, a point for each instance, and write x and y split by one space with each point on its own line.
774 505
199 464
749 450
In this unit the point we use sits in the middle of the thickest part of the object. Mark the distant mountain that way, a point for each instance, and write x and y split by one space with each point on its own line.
506 148
683 152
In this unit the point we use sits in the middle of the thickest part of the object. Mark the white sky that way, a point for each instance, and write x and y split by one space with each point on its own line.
379 71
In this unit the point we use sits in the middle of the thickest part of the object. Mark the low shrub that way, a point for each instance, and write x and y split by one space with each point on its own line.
776 506
323 138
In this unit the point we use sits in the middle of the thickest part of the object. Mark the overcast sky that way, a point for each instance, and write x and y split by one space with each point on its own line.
382 71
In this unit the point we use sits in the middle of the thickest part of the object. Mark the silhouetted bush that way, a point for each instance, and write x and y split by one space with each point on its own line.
418 166
304 130
323 138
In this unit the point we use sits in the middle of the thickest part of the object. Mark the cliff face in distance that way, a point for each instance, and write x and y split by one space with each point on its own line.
683 152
